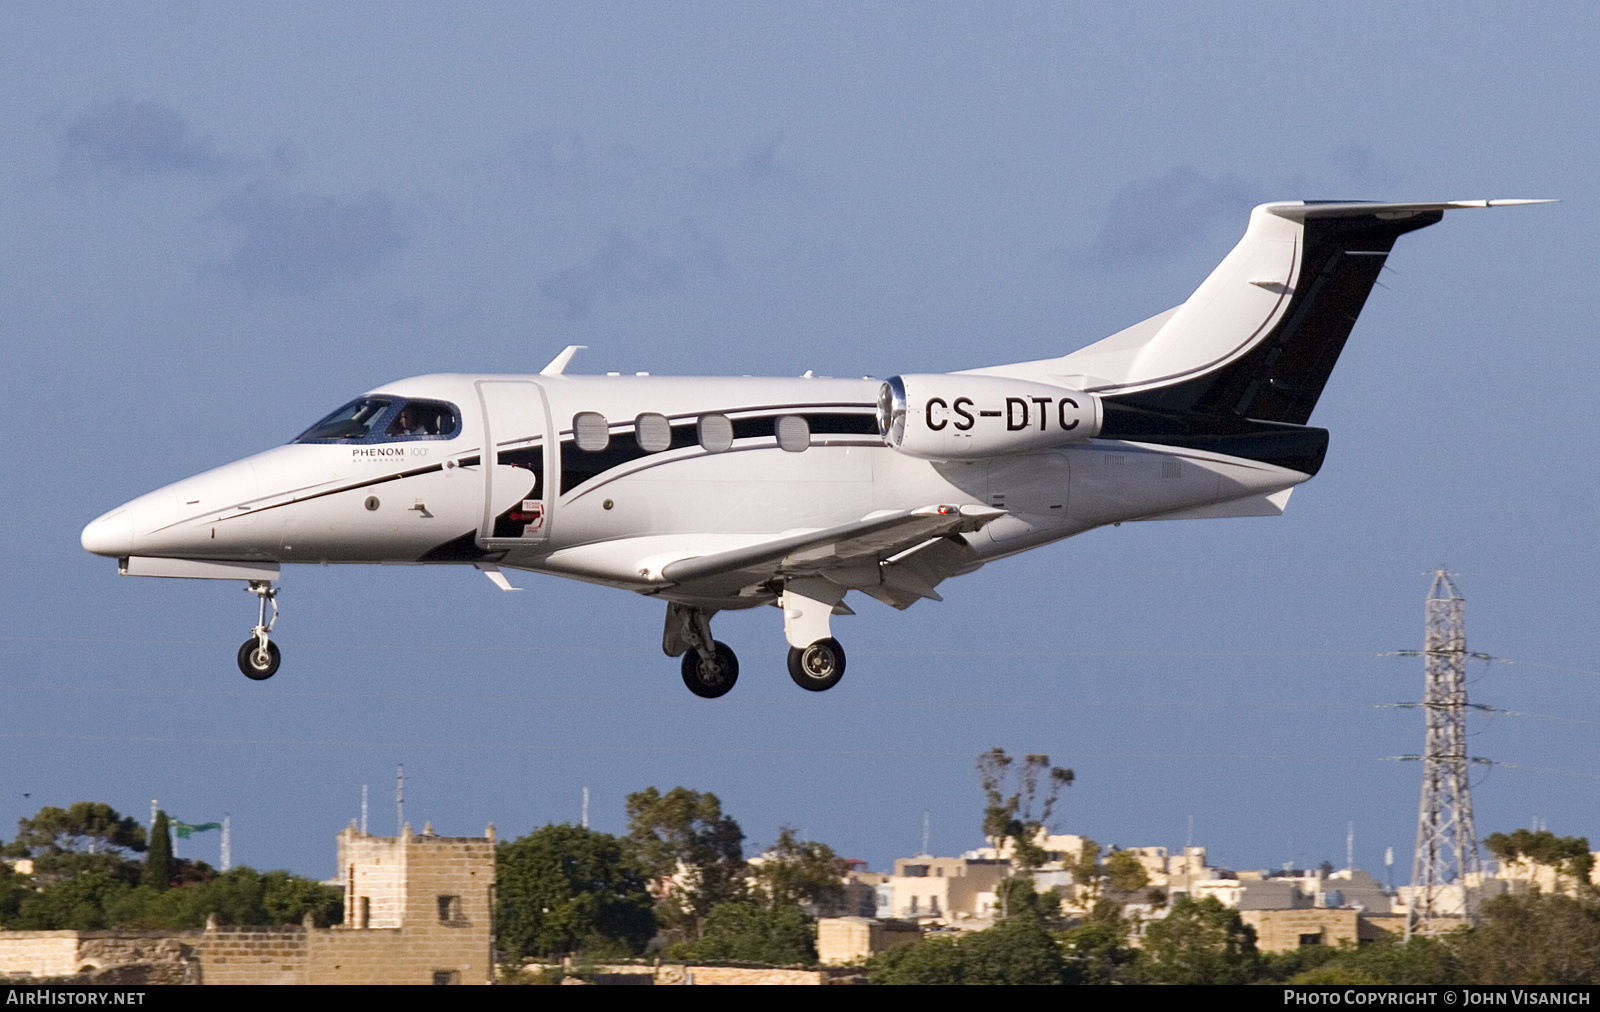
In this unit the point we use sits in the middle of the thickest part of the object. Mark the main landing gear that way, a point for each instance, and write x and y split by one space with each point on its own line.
816 660
709 668
818 666
258 655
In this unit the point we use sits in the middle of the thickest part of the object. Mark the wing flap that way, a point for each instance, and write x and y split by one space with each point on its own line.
818 551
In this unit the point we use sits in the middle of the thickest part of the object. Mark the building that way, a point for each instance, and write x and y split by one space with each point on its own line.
1283 930
419 909
1525 875
1296 890
845 940
942 890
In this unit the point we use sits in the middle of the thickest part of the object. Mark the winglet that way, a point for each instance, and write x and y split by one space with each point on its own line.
558 365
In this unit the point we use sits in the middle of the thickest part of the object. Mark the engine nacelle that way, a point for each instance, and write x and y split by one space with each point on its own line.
955 417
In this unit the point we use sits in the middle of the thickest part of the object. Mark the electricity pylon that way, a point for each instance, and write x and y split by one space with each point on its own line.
1447 841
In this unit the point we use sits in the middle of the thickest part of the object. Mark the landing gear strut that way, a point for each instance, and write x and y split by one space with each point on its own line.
258 655
709 667
816 660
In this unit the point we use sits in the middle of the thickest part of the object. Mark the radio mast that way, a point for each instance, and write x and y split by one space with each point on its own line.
1447 842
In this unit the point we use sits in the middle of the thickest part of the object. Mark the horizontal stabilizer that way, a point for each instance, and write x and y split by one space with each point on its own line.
1271 505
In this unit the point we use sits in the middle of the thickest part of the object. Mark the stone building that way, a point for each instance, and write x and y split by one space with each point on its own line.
1283 930
419 909
100 957
845 940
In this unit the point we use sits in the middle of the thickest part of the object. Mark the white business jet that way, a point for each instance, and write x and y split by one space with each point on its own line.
721 493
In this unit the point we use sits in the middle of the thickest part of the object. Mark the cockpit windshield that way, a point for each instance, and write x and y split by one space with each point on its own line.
384 420
423 418
351 422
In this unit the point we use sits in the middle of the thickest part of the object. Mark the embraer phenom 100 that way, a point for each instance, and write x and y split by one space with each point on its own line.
716 494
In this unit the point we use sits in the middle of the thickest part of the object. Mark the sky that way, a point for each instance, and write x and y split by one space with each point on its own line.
219 222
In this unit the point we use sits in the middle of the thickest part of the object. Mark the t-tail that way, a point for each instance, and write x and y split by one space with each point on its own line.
1238 368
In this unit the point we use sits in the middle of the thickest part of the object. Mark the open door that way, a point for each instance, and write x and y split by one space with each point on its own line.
518 455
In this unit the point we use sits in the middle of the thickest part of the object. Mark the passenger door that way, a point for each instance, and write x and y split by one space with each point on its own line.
518 458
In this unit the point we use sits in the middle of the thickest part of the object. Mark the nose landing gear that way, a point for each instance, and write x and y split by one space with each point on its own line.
258 655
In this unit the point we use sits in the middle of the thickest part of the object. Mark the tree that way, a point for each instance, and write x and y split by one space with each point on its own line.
1088 875
287 899
1566 855
692 852
1198 942
1020 818
88 835
750 932
86 826
1125 873
158 863
1097 949
1534 939
799 873
95 900
564 888
1017 950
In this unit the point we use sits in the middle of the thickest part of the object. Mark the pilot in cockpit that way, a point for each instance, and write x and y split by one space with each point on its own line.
409 422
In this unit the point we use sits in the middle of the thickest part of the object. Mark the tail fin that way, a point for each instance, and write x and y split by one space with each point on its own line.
1259 338
1247 356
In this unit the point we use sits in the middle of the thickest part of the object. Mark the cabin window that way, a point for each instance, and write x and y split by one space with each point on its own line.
716 433
591 431
653 432
350 423
423 420
794 434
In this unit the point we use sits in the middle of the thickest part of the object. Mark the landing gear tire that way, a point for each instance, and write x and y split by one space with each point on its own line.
817 667
711 677
256 663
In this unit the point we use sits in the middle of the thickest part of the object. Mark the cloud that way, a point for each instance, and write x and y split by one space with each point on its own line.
635 266
300 242
1153 218
141 138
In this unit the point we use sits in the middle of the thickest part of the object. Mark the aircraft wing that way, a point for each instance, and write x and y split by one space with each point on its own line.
865 541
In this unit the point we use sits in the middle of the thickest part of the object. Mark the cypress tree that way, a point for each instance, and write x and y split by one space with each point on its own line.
158 862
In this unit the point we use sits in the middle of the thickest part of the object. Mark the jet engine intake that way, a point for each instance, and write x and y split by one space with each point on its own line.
959 417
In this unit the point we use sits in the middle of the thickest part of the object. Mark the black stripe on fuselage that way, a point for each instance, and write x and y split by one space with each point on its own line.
579 466
344 488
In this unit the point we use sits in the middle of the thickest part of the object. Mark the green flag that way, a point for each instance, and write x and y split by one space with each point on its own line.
183 829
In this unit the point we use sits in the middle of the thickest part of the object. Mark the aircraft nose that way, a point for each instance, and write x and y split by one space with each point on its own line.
111 534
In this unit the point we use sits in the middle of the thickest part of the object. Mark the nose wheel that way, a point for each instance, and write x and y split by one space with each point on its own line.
259 656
